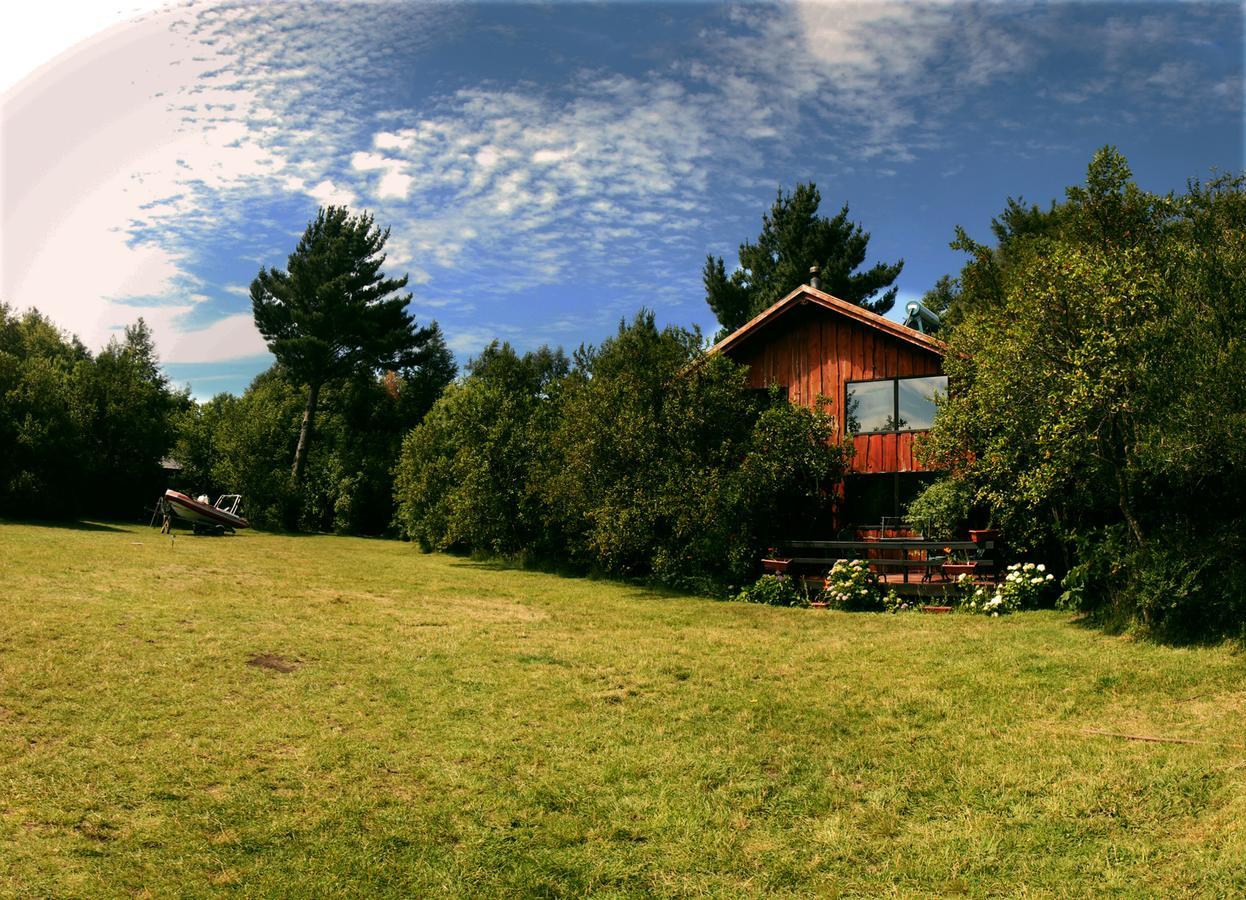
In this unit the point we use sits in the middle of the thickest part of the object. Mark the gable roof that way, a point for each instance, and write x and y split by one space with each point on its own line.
805 295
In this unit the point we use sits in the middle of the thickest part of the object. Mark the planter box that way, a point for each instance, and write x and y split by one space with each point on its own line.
984 535
936 609
775 566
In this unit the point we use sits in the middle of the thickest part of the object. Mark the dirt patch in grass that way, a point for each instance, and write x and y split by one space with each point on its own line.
274 662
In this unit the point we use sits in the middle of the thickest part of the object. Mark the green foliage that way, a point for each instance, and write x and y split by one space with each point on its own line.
942 297
132 409
332 314
667 466
794 238
251 447
77 433
1091 412
1187 582
775 590
465 477
850 585
941 509
646 433
244 445
44 421
647 458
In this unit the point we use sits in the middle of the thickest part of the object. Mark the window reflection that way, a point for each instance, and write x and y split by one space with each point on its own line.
871 405
893 404
916 400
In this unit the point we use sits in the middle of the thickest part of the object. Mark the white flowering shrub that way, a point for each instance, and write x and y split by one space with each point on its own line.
851 585
1021 588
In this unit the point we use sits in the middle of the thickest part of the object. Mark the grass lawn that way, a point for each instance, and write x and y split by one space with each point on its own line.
449 727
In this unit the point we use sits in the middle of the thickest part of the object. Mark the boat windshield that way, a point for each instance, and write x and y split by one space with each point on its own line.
229 503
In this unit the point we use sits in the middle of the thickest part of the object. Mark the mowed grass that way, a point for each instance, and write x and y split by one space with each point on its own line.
448 727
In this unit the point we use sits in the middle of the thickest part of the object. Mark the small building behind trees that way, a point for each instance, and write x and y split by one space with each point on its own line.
877 377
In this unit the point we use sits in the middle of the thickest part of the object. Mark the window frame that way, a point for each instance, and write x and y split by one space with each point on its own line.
895 402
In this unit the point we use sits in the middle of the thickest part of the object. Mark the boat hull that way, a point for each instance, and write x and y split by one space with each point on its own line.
199 513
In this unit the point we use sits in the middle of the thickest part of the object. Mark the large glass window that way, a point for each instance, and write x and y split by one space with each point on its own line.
915 401
871 405
892 404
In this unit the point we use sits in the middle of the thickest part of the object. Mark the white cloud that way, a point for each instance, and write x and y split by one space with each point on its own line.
539 181
232 337
393 185
386 141
327 193
551 156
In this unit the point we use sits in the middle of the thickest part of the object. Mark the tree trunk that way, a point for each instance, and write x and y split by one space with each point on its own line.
1127 508
1061 537
300 454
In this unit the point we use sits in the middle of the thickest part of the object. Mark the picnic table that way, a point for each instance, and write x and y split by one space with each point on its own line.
936 556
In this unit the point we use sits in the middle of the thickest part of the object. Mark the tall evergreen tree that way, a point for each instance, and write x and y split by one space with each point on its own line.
793 238
332 313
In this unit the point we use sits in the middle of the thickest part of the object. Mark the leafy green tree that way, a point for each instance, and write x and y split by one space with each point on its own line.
667 465
418 384
794 238
1091 409
332 313
251 447
80 434
199 445
45 421
132 408
466 475
942 297
244 443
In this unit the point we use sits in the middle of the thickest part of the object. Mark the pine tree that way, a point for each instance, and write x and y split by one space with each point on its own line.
794 238
332 313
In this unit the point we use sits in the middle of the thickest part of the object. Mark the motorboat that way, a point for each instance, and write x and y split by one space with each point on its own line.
203 515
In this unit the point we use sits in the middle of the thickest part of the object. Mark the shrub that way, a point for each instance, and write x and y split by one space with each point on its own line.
648 459
1022 588
941 508
775 590
894 603
850 585
1187 582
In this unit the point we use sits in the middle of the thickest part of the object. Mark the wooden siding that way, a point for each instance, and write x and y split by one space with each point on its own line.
814 352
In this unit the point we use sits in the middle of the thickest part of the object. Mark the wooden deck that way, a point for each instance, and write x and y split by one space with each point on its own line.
934 589
910 567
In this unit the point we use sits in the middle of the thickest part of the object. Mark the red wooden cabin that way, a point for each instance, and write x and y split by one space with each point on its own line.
878 379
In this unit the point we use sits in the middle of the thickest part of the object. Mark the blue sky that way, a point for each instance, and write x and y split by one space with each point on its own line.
547 169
